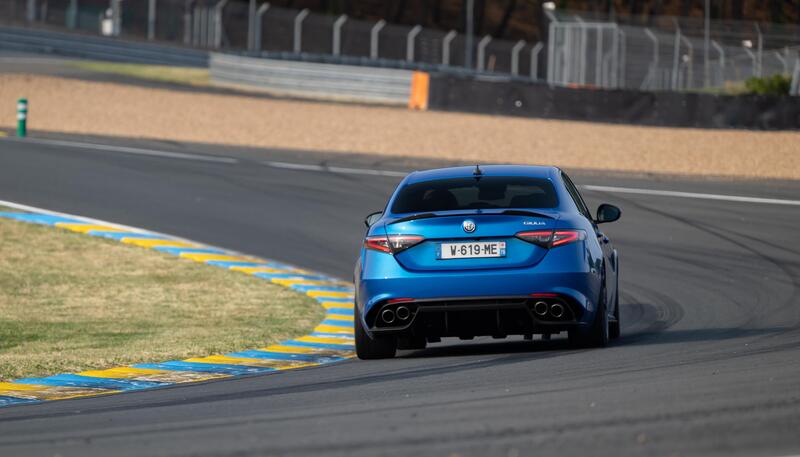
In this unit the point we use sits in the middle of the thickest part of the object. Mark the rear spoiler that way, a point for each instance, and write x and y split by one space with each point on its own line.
510 212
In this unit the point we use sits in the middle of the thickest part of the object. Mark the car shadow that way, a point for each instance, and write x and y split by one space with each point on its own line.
493 347
456 348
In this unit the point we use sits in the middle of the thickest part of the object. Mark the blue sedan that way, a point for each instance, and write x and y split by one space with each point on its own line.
485 251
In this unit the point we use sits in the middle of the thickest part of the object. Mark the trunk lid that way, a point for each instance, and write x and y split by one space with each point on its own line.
448 228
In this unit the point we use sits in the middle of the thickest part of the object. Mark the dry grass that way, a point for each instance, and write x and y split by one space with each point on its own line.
70 302
111 109
161 73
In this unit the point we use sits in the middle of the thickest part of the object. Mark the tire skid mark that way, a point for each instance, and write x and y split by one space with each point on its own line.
744 242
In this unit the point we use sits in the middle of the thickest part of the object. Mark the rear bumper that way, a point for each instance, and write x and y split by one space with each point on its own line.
469 316
489 302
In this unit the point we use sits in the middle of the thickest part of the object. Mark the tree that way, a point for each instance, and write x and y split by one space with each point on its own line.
686 6
397 17
500 31
480 15
776 10
737 9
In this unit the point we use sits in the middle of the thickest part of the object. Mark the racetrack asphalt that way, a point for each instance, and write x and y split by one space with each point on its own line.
709 361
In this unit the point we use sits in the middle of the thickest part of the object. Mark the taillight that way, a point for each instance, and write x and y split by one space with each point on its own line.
377 243
539 237
552 238
562 237
392 244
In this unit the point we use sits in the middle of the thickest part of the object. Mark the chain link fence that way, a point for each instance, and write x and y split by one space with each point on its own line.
225 25
666 53
583 49
286 30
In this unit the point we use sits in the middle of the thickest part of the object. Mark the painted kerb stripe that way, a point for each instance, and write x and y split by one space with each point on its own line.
331 341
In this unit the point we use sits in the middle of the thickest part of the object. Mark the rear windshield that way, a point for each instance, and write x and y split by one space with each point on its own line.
469 193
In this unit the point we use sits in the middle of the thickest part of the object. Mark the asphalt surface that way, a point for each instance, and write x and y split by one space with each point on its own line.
709 361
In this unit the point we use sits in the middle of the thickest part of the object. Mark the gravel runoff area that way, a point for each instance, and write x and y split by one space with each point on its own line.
74 106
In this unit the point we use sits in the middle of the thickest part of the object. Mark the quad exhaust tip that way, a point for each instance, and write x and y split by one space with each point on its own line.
391 315
556 310
388 316
549 309
403 313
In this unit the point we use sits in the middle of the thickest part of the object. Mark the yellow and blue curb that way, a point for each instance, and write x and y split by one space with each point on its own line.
330 341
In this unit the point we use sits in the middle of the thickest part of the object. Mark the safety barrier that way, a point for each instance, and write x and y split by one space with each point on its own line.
286 77
99 48
669 109
483 93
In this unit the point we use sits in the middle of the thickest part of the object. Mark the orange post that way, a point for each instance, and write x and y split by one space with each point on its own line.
418 98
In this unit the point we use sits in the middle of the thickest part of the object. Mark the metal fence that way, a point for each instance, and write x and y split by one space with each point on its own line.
99 48
665 53
235 26
794 89
280 29
583 49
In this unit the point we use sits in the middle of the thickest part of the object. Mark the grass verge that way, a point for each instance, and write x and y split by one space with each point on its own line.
70 302
160 73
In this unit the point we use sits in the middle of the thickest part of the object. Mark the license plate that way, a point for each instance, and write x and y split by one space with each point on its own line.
473 250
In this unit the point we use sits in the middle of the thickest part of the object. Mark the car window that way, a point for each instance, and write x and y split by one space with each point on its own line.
487 192
576 196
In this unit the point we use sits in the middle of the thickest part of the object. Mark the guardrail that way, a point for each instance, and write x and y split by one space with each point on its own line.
661 108
98 48
342 82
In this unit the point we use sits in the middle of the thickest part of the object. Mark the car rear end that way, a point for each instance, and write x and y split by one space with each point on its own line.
461 255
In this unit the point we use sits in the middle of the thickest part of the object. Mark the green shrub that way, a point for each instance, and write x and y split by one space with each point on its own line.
771 85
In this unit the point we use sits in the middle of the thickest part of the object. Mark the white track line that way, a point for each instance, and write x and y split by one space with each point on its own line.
344 170
33 60
395 174
89 220
623 190
129 150
670 193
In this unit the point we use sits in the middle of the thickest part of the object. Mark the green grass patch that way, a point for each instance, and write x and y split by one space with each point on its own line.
70 302
771 85
161 73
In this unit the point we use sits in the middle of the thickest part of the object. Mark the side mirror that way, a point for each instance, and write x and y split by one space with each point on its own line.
372 218
607 213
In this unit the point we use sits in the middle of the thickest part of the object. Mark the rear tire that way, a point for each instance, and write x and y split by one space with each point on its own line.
597 334
372 348
614 327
